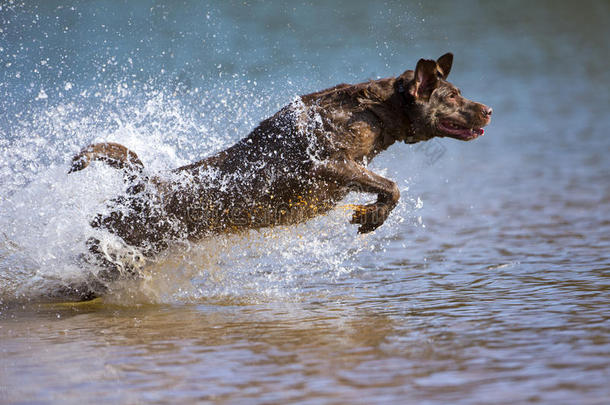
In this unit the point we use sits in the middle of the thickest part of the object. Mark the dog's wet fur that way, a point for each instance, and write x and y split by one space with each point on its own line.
295 165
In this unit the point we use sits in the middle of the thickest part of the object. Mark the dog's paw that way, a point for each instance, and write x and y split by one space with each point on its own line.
79 163
369 217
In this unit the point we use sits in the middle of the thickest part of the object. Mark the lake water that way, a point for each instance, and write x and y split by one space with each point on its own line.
490 283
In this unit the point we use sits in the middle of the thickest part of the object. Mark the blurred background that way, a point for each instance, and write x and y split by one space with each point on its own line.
489 283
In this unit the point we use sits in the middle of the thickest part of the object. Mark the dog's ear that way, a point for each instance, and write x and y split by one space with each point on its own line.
444 64
425 80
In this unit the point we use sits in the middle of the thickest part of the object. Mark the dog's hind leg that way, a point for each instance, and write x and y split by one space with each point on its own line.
79 291
111 268
113 154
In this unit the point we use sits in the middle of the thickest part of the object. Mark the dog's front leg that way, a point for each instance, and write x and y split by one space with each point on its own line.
357 178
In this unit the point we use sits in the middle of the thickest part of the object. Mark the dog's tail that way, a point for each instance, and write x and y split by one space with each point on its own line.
112 154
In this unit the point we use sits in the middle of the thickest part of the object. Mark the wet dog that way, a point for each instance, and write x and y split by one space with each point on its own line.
295 165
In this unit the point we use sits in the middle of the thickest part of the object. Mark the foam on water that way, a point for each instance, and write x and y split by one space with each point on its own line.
45 212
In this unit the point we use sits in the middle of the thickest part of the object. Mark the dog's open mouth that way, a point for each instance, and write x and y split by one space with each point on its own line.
457 131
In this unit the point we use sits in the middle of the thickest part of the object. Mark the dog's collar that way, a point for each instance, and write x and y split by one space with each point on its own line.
404 94
406 100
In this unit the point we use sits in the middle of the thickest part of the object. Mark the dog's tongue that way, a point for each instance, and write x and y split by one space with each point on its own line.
461 132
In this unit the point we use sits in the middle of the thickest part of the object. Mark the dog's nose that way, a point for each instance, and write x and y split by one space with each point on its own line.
487 111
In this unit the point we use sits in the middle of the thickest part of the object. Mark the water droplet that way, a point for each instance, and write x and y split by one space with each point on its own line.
42 95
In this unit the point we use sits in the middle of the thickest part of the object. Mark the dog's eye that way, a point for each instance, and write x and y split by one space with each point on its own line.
452 95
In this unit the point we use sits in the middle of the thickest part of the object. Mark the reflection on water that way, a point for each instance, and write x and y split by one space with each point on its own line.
489 284
446 338
262 348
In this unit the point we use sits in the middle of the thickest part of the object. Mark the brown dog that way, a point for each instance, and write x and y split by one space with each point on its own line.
295 165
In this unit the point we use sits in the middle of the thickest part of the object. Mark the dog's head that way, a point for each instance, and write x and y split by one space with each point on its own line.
436 107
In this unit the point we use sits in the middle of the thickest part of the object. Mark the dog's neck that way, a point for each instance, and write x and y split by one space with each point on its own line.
396 113
408 109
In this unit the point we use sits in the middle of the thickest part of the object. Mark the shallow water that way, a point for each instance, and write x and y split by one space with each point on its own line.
490 283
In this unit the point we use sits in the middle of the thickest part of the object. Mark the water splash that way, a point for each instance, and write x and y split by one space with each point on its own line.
169 120
45 213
